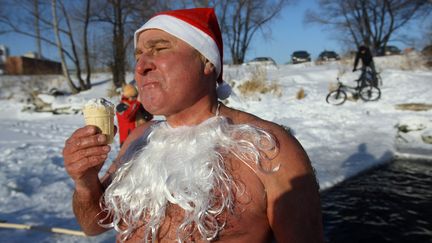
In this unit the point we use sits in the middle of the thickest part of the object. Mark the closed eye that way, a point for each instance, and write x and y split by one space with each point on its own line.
158 44
137 54
161 48
152 47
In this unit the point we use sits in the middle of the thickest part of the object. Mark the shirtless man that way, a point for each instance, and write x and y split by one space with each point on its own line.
206 173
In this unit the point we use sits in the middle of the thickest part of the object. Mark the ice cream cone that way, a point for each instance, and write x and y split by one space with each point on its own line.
100 112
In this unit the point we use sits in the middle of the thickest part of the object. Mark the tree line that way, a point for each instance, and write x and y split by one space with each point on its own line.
91 35
372 23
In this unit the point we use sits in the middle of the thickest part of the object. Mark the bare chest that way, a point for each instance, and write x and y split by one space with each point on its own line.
247 222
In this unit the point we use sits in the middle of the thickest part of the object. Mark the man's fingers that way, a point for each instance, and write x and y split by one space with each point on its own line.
75 144
88 152
94 151
72 143
85 131
84 164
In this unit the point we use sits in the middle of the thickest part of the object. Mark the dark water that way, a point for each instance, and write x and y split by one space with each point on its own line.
390 204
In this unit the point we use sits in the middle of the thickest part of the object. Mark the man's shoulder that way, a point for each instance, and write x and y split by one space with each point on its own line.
290 159
269 126
287 142
138 133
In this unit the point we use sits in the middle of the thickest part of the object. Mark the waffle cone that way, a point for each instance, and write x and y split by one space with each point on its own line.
103 118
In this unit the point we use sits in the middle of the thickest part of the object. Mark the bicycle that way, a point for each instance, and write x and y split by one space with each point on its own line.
367 76
364 90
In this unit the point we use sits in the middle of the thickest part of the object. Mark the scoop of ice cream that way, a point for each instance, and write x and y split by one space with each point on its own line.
99 103
100 112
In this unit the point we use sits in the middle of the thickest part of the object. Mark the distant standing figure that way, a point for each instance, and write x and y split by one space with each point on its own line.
130 112
365 55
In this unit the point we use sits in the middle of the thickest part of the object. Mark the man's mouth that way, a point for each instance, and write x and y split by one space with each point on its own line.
149 84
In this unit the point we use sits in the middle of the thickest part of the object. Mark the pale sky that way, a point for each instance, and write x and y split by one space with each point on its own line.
288 34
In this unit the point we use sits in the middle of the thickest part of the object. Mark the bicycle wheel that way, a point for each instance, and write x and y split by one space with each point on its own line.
336 97
369 93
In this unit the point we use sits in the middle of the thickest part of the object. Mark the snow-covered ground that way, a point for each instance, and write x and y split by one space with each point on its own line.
341 141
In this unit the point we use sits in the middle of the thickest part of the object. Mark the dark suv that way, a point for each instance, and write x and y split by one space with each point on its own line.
427 53
300 56
389 50
328 56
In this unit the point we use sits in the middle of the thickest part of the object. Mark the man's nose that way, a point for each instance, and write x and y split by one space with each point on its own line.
144 65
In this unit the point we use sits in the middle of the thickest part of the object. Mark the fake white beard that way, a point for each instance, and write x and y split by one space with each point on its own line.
183 166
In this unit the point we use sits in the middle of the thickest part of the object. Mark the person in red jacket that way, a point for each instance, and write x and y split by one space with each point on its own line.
130 112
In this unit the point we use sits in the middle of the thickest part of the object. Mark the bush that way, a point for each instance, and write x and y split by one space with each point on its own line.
412 61
258 84
300 94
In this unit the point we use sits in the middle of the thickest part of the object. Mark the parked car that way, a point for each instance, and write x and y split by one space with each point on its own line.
300 56
328 56
389 50
427 53
261 61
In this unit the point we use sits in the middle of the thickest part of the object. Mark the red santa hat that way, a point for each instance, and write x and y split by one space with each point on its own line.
198 27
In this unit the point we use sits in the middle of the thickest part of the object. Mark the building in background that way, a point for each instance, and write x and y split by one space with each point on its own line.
21 65
4 53
33 54
28 64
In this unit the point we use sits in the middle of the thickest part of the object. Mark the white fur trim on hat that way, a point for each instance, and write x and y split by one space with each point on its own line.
188 33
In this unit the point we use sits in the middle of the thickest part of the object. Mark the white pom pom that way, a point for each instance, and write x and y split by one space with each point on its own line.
223 90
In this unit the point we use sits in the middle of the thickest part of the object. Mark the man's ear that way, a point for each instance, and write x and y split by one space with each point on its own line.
208 68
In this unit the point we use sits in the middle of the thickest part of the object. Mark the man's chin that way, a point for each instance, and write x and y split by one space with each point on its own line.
153 106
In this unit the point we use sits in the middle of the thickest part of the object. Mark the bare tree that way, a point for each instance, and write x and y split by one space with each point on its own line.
3 16
85 42
78 20
18 13
100 44
23 13
367 22
241 19
73 88
119 68
124 17
37 28
68 31
30 18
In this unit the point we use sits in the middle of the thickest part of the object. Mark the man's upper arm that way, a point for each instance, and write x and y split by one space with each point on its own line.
294 209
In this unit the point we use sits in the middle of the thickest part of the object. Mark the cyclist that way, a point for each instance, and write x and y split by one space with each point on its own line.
368 66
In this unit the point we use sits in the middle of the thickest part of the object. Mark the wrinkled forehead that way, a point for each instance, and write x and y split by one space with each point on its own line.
155 34
152 37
